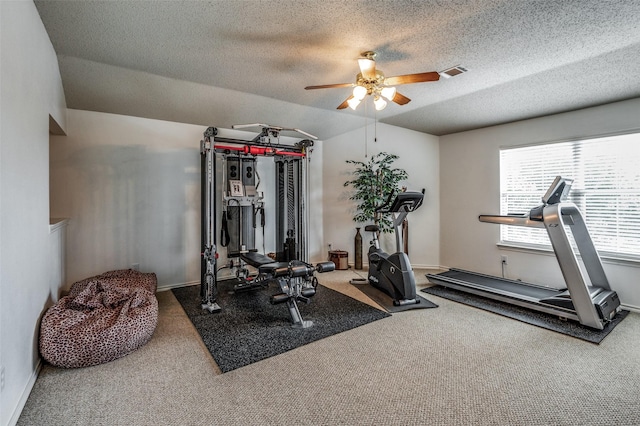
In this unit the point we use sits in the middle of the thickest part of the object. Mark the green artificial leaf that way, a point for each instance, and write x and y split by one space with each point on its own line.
372 183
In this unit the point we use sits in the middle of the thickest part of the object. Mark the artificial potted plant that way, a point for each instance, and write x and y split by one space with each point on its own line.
373 182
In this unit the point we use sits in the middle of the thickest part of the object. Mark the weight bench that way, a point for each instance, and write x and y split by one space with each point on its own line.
247 282
295 280
256 259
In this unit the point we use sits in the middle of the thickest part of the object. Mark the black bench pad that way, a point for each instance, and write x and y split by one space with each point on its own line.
256 259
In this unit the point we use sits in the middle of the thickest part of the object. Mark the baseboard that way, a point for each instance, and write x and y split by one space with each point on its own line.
630 308
432 267
25 394
166 287
365 266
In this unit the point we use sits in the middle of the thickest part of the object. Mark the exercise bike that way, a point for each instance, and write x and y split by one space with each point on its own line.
392 273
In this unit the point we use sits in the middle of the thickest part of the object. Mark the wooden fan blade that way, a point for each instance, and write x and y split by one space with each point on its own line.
400 99
345 103
329 86
367 68
412 78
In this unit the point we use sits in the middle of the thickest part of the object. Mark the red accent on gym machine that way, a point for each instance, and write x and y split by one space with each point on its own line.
258 150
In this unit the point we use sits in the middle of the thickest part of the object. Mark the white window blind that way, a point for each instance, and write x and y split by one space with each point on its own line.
606 188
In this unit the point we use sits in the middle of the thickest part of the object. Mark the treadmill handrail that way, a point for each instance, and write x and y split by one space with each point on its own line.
555 220
513 220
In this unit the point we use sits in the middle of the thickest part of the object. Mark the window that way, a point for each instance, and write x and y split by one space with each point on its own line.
606 189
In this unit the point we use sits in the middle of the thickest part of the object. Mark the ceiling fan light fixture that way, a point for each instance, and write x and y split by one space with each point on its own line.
359 92
353 103
379 103
388 92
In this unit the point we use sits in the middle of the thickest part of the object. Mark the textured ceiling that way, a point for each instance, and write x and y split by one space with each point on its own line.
229 62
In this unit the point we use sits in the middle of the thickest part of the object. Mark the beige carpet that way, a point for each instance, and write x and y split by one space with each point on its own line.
453 365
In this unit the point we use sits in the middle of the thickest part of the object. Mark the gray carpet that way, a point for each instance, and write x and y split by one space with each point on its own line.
540 319
449 366
250 329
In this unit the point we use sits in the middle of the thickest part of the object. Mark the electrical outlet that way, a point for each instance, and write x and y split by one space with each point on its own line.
135 266
503 258
2 377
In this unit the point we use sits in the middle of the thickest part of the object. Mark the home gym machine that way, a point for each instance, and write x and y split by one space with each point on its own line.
592 303
392 273
242 204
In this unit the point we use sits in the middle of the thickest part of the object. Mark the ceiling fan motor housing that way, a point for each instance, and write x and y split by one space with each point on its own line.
372 85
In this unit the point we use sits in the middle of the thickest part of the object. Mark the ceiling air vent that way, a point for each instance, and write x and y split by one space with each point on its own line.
452 72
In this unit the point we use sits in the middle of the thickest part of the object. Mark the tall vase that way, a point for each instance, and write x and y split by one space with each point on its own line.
358 249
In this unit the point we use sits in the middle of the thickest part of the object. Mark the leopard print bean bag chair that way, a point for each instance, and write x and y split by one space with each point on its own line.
101 319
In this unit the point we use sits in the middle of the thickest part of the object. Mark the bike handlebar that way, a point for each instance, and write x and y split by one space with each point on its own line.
410 200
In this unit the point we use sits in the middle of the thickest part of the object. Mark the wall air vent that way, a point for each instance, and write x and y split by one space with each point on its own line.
452 72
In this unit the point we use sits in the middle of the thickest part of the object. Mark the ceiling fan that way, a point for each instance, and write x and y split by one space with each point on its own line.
371 81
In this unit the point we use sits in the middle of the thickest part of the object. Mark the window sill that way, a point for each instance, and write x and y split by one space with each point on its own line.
608 258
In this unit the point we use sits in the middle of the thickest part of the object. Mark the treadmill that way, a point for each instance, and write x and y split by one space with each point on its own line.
590 302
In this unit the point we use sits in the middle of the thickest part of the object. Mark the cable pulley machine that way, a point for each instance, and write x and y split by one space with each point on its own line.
242 204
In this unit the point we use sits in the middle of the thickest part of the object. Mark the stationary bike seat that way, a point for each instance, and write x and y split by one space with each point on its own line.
371 228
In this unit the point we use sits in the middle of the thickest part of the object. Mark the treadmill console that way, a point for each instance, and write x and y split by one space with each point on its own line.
558 191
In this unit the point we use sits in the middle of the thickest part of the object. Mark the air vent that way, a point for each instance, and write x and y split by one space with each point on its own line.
452 72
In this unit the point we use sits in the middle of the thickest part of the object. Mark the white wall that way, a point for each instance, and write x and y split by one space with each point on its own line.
31 91
418 155
57 253
470 184
131 189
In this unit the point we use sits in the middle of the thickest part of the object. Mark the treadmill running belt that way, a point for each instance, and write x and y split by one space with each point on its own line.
496 284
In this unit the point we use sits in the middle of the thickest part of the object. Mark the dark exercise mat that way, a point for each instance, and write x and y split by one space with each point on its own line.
384 300
250 328
540 319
